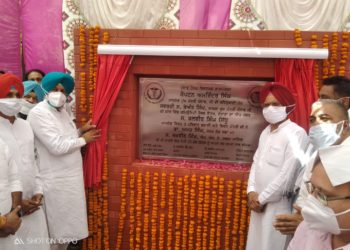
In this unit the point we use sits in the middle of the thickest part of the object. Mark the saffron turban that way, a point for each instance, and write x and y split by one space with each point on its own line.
279 91
30 86
8 82
52 79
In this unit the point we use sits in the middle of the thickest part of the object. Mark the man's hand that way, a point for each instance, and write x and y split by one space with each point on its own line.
30 206
288 223
37 198
87 127
12 223
253 202
91 135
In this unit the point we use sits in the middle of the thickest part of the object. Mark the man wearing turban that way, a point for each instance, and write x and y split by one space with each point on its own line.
58 144
33 93
276 165
19 137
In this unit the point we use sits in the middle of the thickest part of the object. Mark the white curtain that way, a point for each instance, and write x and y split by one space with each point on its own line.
123 14
316 15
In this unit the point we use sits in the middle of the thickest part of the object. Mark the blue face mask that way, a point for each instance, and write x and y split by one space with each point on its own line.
325 134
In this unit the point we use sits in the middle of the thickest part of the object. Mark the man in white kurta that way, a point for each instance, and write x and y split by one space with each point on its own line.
9 182
275 167
20 138
58 143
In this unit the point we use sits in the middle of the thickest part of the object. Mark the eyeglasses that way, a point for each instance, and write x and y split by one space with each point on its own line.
321 197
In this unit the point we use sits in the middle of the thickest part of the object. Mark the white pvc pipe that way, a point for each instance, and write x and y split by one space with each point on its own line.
211 51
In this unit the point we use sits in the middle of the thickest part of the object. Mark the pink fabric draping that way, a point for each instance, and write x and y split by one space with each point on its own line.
42 35
10 59
298 76
111 72
205 14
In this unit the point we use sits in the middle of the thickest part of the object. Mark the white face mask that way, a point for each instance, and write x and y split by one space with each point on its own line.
26 106
275 114
56 99
325 134
10 106
320 217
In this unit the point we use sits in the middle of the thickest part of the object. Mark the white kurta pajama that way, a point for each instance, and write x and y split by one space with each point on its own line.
33 233
60 167
9 182
274 170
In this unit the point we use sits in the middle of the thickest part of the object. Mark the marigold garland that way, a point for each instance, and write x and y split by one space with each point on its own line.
105 37
94 34
179 204
334 54
343 54
154 219
192 212
146 209
82 46
325 62
132 211
220 213
200 212
162 215
122 212
83 97
186 201
243 217
138 230
206 207
236 214
161 231
314 44
214 201
170 211
336 63
228 216
298 38
196 215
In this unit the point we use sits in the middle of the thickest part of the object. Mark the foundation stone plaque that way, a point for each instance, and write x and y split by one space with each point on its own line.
214 120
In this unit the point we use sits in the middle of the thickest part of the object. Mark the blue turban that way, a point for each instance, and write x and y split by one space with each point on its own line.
30 86
52 79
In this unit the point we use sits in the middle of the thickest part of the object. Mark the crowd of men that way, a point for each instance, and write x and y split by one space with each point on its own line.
308 172
41 179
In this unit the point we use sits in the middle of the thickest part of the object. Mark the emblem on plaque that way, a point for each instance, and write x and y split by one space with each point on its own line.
154 93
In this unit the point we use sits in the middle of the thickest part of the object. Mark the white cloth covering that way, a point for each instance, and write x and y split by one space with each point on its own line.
19 137
316 15
306 238
121 14
303 193
60 165
276 164
335 160
9 182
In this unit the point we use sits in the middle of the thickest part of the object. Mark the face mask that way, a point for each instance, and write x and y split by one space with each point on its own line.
275 114
57 99
10 106
320 217
26 107
324 135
